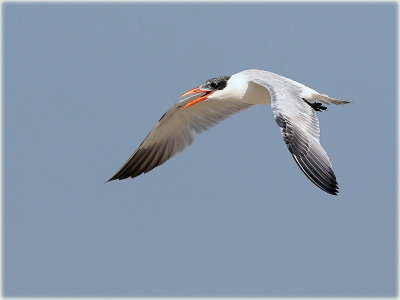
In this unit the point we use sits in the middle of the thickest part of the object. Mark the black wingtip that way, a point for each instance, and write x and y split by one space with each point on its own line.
125 174
111 179
334 192
328 185
118 177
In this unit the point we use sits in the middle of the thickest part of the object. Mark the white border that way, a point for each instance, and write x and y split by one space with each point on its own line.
204 1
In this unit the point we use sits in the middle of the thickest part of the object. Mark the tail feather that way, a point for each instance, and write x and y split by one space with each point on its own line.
328 100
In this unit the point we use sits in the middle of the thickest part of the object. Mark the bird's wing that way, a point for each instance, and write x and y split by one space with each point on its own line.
300 130
175 131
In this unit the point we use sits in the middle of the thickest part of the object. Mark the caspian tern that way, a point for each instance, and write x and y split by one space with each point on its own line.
293 106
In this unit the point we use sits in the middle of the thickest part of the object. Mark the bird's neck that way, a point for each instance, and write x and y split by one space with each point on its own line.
240 89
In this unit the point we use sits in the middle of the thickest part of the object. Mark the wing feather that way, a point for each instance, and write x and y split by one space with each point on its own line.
308 154
175 131
300 129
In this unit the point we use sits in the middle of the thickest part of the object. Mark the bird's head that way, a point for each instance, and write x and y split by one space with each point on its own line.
213 86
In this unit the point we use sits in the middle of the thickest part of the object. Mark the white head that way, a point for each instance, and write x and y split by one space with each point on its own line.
222 88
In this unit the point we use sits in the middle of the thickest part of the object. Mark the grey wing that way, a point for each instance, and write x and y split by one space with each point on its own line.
175 131
308 153
300 130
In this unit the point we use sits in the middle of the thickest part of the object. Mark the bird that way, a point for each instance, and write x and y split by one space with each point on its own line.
294 108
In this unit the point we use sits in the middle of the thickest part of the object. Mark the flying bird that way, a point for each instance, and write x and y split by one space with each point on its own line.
293 107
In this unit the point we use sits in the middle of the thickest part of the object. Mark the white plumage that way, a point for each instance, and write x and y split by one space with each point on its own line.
219 98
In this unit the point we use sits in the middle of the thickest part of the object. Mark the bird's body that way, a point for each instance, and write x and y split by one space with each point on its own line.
221 97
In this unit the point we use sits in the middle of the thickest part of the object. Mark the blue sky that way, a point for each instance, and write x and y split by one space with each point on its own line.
232 215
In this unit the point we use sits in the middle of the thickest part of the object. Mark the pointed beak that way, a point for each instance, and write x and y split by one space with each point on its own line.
196 91
191 92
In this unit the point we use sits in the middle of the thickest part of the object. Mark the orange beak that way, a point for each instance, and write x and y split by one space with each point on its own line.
196 91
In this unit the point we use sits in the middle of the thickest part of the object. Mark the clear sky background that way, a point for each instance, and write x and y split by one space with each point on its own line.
232 215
